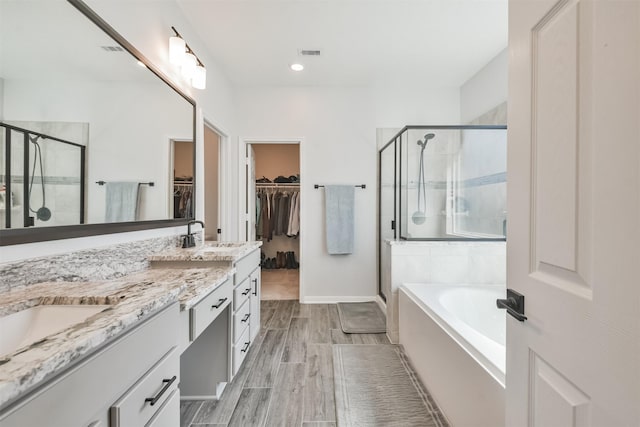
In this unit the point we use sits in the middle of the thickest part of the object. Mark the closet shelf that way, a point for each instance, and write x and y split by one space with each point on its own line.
277 184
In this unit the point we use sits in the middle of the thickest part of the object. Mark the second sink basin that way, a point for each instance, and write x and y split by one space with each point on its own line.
33 324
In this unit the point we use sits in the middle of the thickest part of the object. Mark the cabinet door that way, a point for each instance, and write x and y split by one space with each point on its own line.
254 326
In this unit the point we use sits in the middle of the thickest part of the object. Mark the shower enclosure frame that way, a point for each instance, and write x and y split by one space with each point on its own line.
8 184
396 222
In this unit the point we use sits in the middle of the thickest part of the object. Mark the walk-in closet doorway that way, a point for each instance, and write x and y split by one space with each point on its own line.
273 206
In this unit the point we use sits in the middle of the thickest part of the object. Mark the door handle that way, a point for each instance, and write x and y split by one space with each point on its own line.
514 304
255 284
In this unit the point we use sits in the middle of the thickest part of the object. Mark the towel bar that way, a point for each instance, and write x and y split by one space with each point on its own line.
150 184
359 186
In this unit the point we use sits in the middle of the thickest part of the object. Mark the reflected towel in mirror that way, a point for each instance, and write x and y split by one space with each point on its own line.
121 201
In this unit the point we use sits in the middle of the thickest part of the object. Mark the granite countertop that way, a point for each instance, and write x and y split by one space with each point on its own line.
130 299
211 251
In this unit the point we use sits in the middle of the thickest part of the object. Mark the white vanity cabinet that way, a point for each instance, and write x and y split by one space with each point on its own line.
256 278
114 386
246 307
206 311
204 362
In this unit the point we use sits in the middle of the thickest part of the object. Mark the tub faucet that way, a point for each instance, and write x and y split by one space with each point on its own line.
189 241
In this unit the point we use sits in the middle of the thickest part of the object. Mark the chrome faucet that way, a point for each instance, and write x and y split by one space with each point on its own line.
189 241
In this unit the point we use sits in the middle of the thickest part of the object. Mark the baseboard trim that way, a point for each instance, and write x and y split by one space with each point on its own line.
335 300
200 397
382 305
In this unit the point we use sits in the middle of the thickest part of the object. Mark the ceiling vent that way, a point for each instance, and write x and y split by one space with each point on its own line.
112 48
309 52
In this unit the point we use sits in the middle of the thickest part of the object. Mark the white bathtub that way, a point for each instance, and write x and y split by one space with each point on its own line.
455 337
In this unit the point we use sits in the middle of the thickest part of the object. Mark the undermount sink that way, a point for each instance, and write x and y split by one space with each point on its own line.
28 326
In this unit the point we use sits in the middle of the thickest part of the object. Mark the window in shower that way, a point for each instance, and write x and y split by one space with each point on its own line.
451 183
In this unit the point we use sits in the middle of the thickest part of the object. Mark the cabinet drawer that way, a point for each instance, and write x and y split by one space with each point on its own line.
240 350
241 319
145 397
169 414
241 293
246 265
205 312
84 394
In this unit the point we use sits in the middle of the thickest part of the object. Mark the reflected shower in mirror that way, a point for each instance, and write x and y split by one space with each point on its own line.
77 110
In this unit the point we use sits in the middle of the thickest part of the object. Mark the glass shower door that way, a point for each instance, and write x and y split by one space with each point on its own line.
387 214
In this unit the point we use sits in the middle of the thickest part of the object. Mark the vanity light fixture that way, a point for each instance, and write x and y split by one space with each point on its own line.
177 49
199 78
297 67
190 65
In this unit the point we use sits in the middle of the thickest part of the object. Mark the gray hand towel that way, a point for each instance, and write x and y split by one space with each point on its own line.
121 201
339 207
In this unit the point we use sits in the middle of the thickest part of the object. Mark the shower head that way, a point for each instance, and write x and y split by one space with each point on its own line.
427 137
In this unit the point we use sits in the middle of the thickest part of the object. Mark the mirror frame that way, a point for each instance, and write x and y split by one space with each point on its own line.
42 234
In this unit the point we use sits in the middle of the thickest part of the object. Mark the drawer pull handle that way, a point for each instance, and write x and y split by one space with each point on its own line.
220 302
246 318
246 347
167 383
246 291
255 282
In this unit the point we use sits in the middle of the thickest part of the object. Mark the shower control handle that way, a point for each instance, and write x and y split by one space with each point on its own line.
514 304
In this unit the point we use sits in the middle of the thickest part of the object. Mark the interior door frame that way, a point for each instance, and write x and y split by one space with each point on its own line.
244 186
170 178
224 159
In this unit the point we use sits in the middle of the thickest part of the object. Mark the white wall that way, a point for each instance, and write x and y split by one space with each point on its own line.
2 99
338 130
485 90
401 105
148 29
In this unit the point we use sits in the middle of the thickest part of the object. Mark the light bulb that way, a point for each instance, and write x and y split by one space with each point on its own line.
188 65
199 79
177 50
297 67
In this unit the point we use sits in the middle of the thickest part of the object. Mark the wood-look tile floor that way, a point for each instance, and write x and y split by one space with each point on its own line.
287 377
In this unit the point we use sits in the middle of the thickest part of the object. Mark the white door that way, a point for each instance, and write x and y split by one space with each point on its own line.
251 193
573 236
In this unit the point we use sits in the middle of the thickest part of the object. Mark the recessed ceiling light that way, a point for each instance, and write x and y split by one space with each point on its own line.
142 64
297 67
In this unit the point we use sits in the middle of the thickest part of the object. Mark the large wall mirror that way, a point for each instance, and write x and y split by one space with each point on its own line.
87 129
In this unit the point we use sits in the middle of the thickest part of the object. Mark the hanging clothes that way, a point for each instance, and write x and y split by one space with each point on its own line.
277 213
294 216
283 214
182 206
